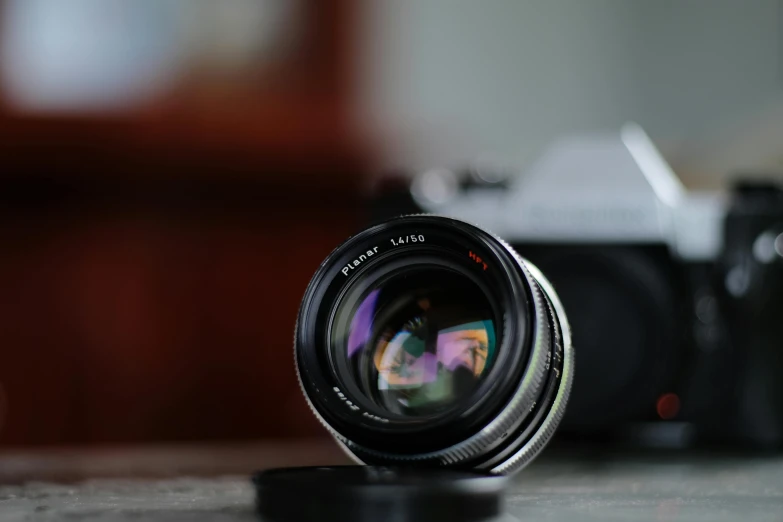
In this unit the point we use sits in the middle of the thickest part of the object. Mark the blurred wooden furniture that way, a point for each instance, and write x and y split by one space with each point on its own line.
152 260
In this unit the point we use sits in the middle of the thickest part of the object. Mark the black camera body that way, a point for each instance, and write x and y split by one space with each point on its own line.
675 299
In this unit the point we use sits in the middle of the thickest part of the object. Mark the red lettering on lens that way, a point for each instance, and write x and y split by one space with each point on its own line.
477 259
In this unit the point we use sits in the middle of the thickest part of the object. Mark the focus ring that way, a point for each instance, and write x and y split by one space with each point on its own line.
547 429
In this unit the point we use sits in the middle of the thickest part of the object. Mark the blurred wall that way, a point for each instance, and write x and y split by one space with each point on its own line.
459 78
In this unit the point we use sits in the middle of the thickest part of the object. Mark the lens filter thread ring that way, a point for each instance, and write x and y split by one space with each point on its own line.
547 320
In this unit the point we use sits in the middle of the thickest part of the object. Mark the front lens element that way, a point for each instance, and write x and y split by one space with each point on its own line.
417 342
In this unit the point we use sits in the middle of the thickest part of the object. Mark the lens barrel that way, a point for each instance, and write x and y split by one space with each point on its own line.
428 341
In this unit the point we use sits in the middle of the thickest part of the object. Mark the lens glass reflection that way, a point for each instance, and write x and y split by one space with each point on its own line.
418 342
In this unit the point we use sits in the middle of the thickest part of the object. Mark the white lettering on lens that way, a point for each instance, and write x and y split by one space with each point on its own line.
404 240
358 261
374 417
354 407
345 399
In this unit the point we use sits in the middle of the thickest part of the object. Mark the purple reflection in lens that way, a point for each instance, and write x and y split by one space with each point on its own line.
457 347
361 324
430 361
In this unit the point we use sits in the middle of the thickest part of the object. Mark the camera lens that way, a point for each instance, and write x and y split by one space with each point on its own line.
428 341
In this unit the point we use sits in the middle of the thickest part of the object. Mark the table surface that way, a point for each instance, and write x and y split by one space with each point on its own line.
211 483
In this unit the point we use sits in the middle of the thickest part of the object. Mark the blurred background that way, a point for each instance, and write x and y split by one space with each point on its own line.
173 171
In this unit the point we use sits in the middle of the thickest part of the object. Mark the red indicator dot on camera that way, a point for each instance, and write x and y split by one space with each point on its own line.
668 406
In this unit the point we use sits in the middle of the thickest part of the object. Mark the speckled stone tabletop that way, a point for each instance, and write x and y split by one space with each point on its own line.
212 484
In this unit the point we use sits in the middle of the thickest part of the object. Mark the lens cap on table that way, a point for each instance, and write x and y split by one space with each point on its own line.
377 494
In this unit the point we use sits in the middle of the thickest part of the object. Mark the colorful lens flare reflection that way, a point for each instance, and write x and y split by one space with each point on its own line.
431 353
